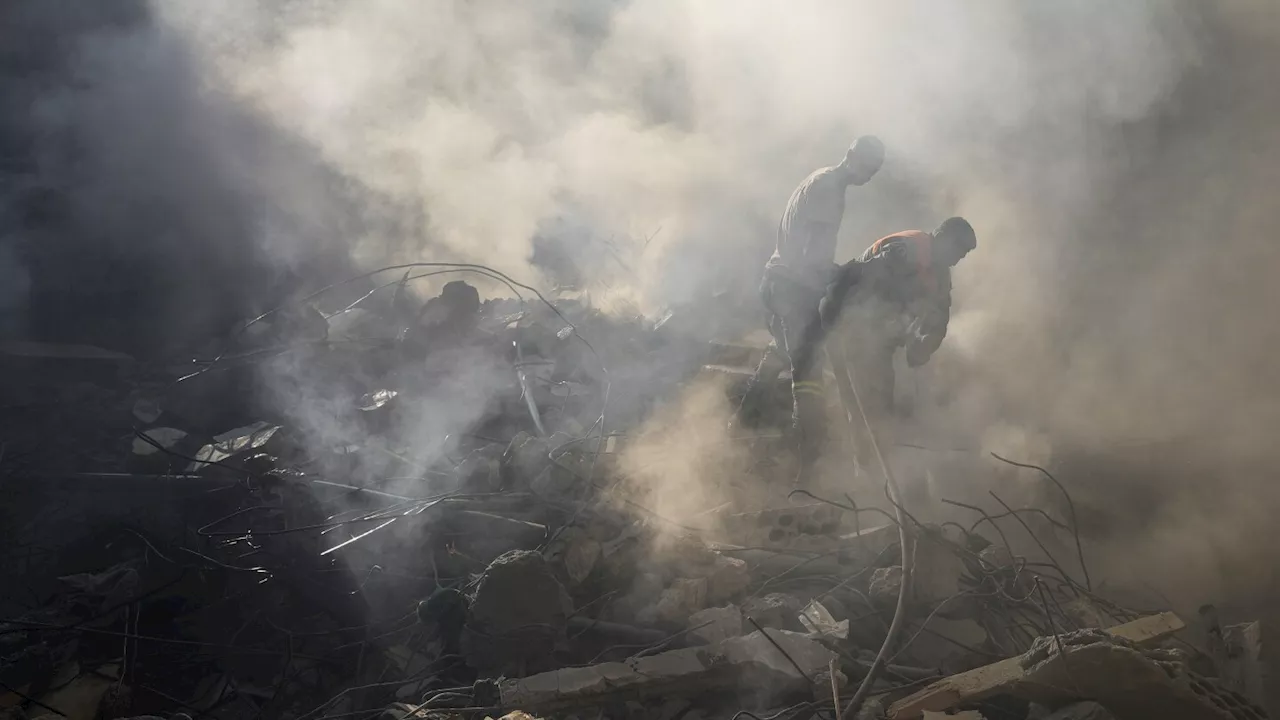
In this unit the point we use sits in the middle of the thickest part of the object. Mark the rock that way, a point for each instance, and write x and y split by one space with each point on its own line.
729 578
780 526
683 598
518 616
577 552
644 592
761 658
1247 670
1081 711
752 661
885 585
775 610
1111 667
725 623
1084 613
675 671
857 550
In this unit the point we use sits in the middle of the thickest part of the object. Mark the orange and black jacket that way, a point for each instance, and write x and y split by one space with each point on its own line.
898 270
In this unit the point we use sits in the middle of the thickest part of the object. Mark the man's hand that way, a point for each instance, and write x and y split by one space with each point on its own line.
918 351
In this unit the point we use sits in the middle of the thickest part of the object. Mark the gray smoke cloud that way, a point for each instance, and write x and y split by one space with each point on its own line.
694 120
1115 159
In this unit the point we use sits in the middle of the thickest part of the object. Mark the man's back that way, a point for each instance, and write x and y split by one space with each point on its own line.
807 232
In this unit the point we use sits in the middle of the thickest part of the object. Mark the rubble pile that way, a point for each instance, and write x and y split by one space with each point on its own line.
208 557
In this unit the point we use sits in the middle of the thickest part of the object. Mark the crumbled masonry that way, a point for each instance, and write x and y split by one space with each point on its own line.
184 552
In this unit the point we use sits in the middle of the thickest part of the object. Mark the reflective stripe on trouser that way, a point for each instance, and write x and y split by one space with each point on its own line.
807 387
793 320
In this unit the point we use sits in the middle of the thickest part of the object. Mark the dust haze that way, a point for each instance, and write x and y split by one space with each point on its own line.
1116 160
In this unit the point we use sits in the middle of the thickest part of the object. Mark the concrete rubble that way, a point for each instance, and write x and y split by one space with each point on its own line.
238 569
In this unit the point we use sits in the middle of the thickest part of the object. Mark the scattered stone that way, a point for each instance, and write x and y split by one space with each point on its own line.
751 661
763 658
729 578
725 623
683 598
1085 613
668 673
775 610
577 552
518 617
885 585
1246 670
779 526
1114 668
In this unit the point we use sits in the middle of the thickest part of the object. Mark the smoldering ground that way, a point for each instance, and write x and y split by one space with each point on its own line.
1115 160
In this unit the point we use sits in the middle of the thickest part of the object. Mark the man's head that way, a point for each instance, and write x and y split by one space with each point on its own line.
863 159
953 239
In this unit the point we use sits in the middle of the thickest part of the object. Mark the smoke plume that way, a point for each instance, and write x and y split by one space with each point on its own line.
1115 159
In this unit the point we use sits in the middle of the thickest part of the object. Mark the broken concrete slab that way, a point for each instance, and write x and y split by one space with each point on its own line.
778 657
577 552
841 555
1245 670
754 659
1010 675
715 625
682 598
729 578
778 525
776 610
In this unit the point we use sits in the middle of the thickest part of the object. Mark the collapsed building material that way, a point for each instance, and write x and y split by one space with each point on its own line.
780 661
1247 669
778 525
1036 676
517 618
544 475
715 625
823 555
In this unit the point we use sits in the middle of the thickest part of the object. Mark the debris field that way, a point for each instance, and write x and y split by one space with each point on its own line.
177 545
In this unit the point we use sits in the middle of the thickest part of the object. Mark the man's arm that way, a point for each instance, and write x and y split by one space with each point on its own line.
932 315
820 250
863 275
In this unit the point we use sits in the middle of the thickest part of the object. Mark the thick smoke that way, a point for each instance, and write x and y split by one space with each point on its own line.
1114 157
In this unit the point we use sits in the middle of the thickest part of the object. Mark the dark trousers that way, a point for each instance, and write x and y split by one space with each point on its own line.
796 328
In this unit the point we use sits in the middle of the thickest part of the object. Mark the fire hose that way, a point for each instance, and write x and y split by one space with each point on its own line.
846 379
